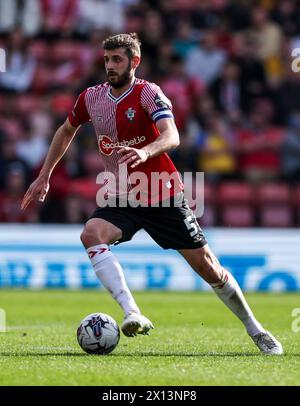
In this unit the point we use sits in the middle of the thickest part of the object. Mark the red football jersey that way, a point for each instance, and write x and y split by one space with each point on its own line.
129 120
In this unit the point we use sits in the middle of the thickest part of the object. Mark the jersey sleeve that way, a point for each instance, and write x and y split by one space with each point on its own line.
79 115
156 104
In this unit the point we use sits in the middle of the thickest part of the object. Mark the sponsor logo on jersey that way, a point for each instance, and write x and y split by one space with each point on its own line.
130 113
106 145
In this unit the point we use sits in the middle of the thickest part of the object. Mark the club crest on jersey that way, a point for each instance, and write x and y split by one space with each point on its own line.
130 113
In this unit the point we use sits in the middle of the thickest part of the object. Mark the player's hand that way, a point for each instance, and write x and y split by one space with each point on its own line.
37 191
132 156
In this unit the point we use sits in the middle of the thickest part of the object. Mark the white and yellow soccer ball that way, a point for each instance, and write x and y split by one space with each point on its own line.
98 333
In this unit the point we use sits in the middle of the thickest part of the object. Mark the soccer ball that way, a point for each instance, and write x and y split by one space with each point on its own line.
98 333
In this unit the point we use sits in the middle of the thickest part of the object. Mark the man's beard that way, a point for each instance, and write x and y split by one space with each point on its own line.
121 80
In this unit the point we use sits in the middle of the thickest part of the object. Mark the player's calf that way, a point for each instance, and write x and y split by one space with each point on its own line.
226 287
96 237
205 263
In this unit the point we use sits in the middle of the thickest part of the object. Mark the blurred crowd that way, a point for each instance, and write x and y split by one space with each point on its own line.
226 65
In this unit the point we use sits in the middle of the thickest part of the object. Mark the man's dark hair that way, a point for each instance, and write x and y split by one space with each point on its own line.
130 42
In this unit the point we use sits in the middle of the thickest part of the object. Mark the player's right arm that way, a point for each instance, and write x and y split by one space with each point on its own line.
64 135
59 145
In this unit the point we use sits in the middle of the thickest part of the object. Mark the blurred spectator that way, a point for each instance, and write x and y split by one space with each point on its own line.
90 56
287 15
73 209
265 33
217 155
285 95
183 91
10 121
61 103
252 73
259 145
94 74
25 14
52 211
67 67
92 164
144 70
161 66
21 65
225 65
72 160
8 158
185 39
206 61
169 15
12 195
291 151
34 146
186 157
224 38
152 37
100 14
228 90
204 16
59 17
203 108
238 14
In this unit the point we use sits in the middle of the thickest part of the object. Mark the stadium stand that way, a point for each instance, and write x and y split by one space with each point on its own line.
226 67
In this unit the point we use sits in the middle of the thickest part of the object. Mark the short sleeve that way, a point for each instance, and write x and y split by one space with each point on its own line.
79 115
156 104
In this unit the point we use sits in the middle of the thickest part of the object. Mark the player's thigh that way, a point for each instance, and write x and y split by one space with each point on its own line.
110 225
100 231
204 262
174 227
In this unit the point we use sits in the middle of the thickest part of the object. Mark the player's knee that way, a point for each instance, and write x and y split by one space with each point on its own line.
86 237
94 235
90 236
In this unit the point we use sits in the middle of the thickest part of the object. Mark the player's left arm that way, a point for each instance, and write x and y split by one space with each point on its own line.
167 140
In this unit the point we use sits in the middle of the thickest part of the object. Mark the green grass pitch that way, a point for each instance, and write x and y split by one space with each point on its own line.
196 341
